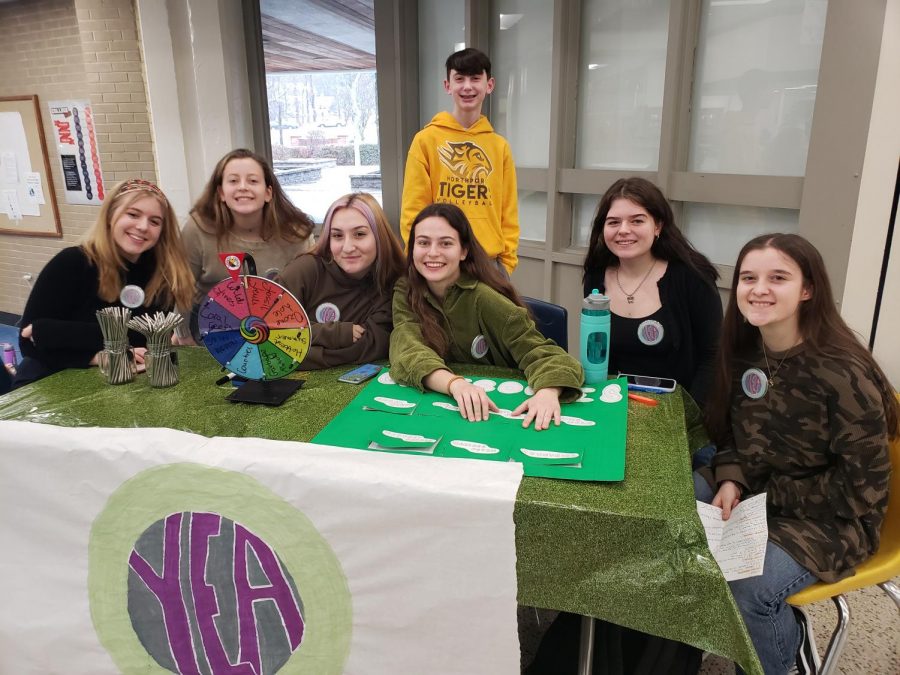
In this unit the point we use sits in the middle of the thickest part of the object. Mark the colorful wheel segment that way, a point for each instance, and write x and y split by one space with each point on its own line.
255 328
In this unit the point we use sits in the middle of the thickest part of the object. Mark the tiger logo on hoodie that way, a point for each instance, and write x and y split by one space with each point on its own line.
465 160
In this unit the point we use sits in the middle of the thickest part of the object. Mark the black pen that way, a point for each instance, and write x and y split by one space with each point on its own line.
226 378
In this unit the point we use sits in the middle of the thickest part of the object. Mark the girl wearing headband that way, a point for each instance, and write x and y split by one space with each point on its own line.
242 208
134 242
346 282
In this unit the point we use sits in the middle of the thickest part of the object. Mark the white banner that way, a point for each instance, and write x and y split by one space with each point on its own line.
153 550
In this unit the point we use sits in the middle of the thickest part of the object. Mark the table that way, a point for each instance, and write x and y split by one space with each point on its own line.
633 553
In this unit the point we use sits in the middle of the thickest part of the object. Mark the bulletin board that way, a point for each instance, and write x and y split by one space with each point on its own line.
27 198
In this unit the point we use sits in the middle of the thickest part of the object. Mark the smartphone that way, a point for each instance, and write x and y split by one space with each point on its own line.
658 385
361 374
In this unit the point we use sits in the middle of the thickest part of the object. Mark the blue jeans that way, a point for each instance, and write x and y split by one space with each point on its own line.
771 622
703 457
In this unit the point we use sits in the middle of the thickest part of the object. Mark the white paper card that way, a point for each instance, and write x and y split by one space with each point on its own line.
34 192
11 204
10 172
739 543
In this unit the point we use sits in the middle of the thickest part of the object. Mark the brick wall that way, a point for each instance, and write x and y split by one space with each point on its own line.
74 49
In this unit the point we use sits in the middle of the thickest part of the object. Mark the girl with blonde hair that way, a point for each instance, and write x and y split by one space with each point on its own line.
134 242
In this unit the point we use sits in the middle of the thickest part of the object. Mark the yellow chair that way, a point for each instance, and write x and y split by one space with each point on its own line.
877 570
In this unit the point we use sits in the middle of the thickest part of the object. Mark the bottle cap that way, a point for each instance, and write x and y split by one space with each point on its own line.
596 300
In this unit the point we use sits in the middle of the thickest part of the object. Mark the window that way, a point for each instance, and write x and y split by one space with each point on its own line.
442 25
621 75
521 58
755 86
323 100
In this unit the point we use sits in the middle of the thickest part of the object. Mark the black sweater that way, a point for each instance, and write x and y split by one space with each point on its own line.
696 320
62 309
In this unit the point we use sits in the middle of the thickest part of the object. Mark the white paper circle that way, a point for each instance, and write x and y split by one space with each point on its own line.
132 296
327 312
755 383
385 378
479 347
510 387
487 385
650 332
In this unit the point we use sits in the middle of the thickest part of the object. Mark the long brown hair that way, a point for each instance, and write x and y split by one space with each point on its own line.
670 245
172 282
477 264
389 258
823 331
281 219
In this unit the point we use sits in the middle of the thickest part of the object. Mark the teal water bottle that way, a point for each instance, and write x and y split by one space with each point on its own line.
595 337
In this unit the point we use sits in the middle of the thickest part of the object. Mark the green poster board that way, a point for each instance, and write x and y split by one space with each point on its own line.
589 444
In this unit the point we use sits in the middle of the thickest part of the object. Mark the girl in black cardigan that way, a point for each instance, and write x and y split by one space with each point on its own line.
666 312
134 242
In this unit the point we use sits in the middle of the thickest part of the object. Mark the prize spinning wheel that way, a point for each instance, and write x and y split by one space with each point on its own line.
255 328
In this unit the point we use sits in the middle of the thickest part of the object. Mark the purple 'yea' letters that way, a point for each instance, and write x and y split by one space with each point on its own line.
167 589
204 526
278 590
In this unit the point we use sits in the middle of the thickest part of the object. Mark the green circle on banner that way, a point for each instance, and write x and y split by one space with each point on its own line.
154 494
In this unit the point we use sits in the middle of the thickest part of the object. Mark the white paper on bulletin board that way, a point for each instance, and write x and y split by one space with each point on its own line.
15 165
76 147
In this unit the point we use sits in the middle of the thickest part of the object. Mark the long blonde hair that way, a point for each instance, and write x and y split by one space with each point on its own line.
172 282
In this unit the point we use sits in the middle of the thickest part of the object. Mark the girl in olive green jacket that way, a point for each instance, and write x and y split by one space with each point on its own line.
456 306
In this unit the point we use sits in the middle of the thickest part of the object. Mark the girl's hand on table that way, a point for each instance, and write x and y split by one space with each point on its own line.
542 408
474 404
728 496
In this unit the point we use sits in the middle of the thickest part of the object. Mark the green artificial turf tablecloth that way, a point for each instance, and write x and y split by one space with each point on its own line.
633 552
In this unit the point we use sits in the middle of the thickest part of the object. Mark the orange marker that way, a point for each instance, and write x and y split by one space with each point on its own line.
646 400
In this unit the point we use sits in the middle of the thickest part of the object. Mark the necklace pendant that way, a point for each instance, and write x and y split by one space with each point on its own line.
630 299
771 382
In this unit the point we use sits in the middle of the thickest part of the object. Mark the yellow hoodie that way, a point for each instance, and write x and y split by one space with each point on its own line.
471 168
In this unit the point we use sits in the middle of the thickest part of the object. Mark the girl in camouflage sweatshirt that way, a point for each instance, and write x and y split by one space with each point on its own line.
801 412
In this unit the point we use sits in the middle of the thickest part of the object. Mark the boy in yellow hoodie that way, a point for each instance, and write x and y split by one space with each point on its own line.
459 159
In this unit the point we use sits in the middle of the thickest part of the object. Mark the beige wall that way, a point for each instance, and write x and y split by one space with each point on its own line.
873 212
74 49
